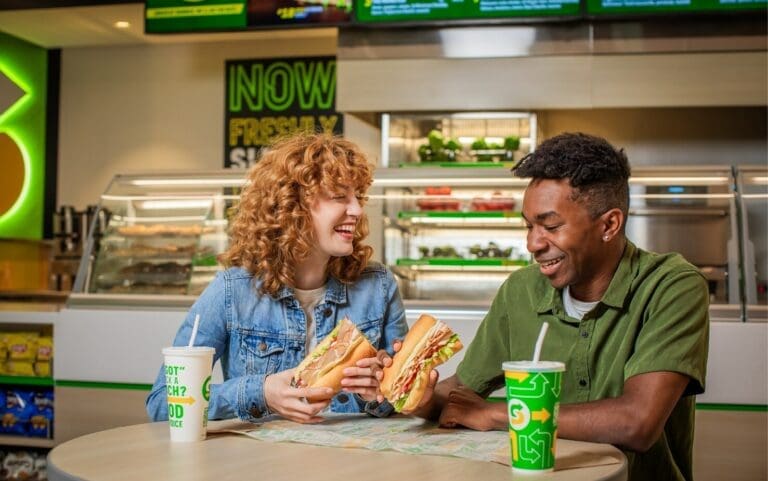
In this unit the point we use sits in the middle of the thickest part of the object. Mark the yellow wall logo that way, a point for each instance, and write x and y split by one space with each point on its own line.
12 181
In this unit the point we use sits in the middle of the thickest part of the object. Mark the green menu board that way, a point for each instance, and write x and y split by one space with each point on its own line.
601 7
375 11
166 16
162 16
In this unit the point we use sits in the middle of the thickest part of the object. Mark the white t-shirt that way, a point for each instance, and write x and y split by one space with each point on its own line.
574 307
309 299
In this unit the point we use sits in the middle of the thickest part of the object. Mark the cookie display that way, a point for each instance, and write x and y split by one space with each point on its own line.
162 230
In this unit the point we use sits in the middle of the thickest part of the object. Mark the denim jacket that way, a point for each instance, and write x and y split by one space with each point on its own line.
257 335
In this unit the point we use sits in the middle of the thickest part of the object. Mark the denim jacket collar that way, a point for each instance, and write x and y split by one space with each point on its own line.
335 292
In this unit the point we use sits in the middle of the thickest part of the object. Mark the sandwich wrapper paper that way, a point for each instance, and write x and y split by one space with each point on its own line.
408 435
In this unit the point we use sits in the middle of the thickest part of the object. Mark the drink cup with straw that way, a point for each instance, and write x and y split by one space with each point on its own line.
187 380
533 401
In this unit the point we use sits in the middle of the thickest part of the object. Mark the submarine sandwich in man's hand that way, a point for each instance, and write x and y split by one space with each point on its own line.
428 344
324 366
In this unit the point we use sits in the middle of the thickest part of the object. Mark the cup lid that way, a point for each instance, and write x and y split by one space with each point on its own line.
188 351
540 366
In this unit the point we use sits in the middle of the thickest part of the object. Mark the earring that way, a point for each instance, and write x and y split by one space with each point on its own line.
605 238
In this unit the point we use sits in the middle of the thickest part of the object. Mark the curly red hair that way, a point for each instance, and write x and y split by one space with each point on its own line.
272 231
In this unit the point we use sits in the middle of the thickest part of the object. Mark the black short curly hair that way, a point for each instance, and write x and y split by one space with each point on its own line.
597 171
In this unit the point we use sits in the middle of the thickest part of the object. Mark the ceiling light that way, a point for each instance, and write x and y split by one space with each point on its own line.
122 24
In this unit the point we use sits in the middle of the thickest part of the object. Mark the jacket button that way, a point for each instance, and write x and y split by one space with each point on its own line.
263 346
342 398
584 334
327 312
582 382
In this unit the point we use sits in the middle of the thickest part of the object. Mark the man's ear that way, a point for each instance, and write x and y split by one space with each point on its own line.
612 223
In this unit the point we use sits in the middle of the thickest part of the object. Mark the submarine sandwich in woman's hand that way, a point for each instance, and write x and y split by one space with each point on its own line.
428 344
324 366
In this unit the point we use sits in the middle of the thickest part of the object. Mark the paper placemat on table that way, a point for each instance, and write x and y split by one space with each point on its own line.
409 435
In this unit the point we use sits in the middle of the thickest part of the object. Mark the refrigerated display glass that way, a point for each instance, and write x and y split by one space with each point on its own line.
690 210
453 230
162 234
449 233
471 139
452 234
752 185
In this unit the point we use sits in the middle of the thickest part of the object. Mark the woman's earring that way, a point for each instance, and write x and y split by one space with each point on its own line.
605 238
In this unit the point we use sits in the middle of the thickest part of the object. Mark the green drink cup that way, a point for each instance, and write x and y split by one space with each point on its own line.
533 401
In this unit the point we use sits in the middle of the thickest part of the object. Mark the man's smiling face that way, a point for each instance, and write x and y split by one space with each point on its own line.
562 235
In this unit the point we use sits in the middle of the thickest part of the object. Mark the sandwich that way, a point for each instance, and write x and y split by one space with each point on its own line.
428 344
324 366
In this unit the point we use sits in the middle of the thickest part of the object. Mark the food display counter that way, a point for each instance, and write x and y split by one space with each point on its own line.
452 228
162 235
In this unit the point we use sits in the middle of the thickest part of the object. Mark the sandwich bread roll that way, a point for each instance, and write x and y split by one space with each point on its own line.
428 344
324 366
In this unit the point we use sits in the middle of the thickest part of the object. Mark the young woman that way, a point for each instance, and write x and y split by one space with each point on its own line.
296 266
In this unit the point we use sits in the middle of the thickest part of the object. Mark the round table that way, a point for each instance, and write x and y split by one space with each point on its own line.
144 451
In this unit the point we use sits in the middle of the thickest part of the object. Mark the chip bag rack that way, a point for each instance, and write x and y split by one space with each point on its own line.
26 353
26 411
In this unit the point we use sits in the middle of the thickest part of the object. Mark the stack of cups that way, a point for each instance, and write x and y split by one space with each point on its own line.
533 401
187 380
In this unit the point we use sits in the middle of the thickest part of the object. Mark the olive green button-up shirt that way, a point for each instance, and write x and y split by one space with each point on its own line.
653 317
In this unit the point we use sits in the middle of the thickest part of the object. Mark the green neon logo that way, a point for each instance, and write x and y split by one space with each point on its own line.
15 160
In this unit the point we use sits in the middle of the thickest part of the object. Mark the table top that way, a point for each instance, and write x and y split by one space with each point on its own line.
144 451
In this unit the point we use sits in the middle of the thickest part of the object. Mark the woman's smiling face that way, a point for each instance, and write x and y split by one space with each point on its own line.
335 216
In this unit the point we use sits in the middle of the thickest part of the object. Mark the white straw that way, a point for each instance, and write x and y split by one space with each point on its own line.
194 330
540 341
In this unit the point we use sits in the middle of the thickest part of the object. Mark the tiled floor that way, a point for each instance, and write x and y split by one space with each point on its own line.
730 446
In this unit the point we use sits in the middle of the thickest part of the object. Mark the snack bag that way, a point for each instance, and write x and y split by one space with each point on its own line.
3 346
43 369
19 368
18 408
3 355
41 467
18 466
44 349
41 417
22 346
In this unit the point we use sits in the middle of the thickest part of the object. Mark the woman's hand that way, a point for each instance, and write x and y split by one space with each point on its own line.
291 402
364 378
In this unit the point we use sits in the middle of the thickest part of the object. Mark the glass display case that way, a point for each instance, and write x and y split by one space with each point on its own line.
162 235
456 234
690 210
451 234
752 186
467 139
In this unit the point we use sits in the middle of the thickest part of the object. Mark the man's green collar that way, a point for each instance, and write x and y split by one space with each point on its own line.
618 289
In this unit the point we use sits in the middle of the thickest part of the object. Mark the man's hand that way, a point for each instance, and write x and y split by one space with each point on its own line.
290 402
467 408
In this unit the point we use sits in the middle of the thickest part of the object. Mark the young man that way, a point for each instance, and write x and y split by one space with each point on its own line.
631 326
